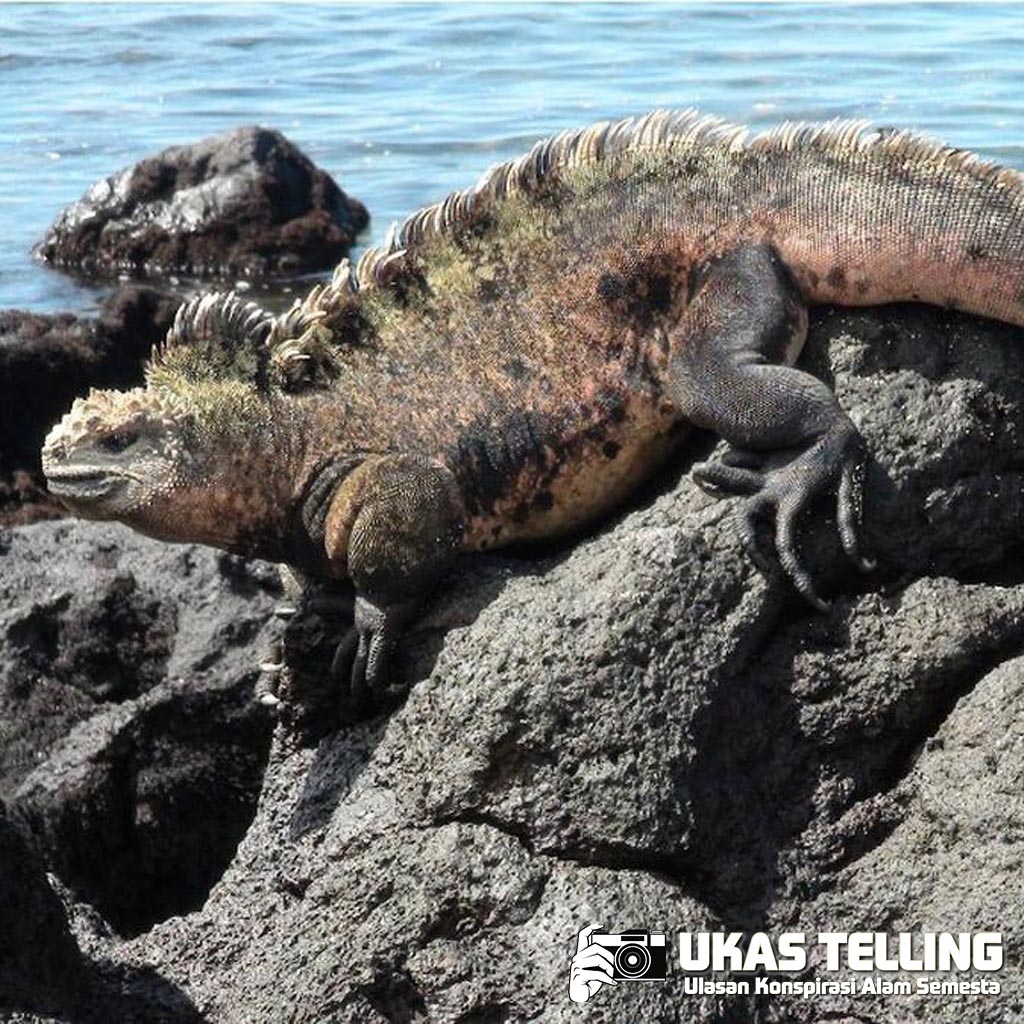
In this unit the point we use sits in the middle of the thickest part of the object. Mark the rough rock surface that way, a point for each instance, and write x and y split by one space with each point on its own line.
638 730
129 739
40 968
48 360
245 203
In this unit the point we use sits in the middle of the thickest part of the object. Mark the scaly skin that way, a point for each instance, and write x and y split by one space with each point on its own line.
512 362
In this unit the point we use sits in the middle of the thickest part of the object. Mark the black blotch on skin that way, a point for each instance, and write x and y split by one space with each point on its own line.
520 512
516 369
351 327
487 292
610 287
408 284
544 500
642 292
551 192
975 253
613 406
491 454
610 449
836 277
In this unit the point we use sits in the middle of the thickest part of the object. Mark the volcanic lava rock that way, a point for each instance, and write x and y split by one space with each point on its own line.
247 203
40 966
129 737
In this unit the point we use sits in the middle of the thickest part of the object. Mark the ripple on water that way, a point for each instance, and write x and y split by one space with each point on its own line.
403 104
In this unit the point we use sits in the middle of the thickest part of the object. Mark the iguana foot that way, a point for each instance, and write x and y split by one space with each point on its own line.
786 491
360 665
730 372
308 603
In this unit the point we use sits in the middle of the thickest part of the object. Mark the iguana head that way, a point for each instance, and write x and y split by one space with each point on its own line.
186 457
118 454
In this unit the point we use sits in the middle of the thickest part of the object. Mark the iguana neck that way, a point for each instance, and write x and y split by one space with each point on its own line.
238 490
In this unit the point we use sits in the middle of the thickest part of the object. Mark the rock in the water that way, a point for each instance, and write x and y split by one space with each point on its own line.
247 203
48 360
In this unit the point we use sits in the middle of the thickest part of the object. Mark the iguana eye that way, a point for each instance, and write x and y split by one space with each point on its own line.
119 441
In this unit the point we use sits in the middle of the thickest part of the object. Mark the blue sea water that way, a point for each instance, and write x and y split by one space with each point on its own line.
403 103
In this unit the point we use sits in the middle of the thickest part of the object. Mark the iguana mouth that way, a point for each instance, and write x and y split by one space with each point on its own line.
82 482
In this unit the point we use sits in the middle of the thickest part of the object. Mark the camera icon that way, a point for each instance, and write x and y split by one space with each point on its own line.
636 956
608 959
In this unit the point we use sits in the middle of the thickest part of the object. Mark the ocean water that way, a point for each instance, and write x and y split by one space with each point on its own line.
403 103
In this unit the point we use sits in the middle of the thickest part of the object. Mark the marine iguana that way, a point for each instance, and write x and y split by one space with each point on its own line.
511 362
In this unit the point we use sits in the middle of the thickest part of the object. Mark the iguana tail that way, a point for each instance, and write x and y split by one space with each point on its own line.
866 217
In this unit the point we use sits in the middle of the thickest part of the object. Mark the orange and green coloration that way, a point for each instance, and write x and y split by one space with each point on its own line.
510 363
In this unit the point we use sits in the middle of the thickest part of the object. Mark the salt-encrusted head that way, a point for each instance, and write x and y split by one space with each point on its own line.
116 452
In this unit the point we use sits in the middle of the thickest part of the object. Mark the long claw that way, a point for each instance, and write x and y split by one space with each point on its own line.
344 655
851 488
719 478
359 683
786 521
747 516
269 680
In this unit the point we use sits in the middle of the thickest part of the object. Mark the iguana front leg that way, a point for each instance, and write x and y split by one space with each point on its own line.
394 527
728 373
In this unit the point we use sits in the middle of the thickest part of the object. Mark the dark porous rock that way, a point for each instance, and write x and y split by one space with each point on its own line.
247 203
639 731
41 971
949 858
129 737
46 361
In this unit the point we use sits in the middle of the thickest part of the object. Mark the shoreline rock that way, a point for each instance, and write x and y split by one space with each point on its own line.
244 204
130 742
46 361
40 966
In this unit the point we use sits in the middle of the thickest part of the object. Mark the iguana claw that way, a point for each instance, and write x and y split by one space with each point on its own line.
786 492
361 659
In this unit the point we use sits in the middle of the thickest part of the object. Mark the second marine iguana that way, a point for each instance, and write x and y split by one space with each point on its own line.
511 362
